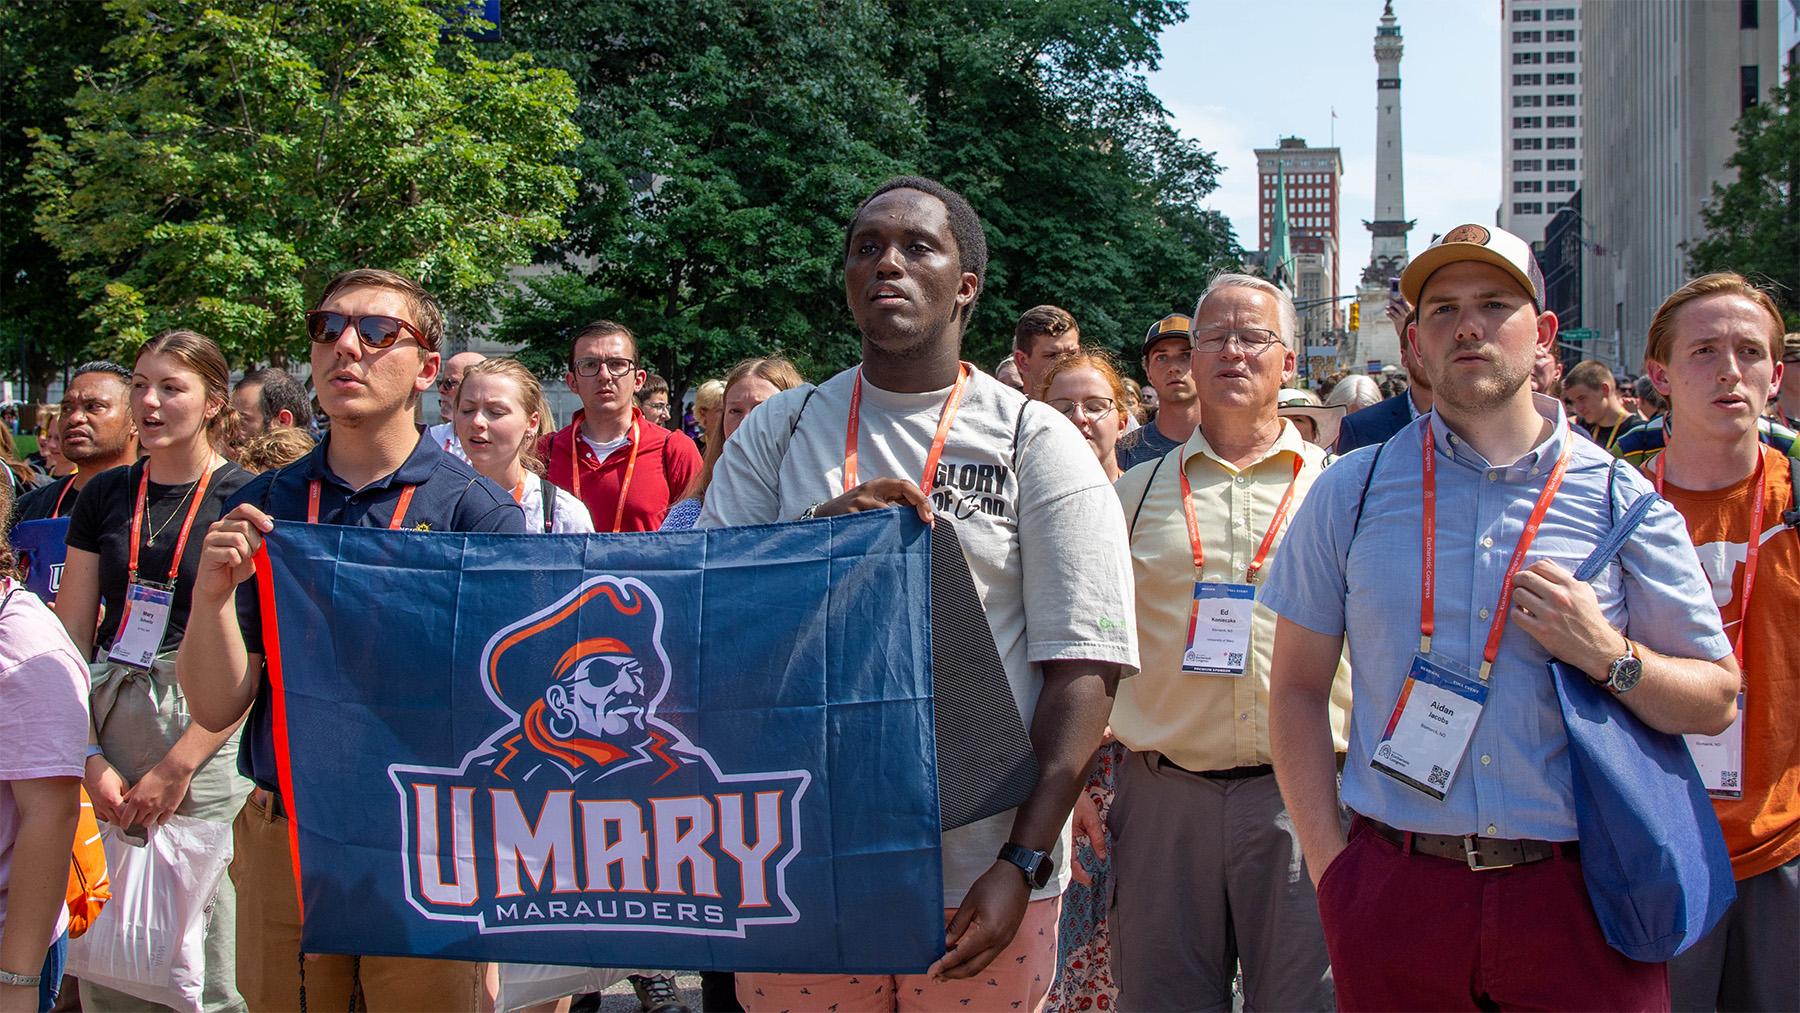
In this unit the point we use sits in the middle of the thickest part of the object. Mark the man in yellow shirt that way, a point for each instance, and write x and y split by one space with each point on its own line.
1207 866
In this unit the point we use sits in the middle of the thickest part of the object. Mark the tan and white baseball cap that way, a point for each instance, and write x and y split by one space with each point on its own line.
1493 246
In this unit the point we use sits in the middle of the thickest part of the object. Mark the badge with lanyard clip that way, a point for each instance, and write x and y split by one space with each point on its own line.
1428 733
1219 622
1720 758
149 603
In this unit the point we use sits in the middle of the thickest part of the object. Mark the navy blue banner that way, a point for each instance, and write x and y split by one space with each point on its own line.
41 548
705 749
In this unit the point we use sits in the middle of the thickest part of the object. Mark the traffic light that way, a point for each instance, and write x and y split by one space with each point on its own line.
1356 316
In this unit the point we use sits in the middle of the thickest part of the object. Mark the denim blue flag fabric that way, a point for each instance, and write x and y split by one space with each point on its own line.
700 749
1652 855
41 551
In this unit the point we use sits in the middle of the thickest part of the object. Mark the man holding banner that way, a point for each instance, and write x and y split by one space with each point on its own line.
1044 536
375 337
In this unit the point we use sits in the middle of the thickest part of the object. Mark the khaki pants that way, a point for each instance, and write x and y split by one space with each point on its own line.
268 945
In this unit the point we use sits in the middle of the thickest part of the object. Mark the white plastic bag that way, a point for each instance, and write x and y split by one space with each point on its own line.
149 941
523 985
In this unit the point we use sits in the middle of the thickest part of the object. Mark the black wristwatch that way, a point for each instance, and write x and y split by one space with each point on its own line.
1036 865
1623 674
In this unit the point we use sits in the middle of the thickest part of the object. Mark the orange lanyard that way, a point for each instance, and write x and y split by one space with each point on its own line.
519 492
1262 551
406 495
56 511
1428 528
630 465
1750 551
945 417
137 520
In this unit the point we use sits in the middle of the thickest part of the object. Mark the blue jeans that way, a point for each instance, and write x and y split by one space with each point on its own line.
53 972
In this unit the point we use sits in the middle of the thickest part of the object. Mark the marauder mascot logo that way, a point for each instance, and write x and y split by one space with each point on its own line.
585 811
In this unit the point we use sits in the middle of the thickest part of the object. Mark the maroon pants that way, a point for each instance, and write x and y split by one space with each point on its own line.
1413 932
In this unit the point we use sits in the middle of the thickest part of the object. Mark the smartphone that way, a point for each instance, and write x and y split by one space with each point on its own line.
1393 288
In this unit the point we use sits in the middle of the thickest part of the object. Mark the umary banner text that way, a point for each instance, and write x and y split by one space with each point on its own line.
705 749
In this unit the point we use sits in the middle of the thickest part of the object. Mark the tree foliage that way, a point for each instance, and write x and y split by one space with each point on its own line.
728 141
1753 223
230 156
41 45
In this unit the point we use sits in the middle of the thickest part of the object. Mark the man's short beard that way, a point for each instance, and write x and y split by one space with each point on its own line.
1485 393
95 452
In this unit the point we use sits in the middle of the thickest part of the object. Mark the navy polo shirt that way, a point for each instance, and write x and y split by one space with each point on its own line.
448 495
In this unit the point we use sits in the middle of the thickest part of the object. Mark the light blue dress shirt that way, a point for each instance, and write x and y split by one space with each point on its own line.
1514 781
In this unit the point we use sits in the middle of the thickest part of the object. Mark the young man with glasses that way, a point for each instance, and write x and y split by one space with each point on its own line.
1204 857
449 382
1444 559
1166 351
375 336
1045 543
626 468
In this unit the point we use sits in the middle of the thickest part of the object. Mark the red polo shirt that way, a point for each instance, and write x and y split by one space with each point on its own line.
661 465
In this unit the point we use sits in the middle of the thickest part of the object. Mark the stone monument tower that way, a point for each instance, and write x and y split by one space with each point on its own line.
1387 253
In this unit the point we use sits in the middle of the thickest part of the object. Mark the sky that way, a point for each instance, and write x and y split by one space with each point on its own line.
1237 76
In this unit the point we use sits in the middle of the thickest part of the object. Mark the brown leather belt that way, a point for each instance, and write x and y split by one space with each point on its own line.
1479 853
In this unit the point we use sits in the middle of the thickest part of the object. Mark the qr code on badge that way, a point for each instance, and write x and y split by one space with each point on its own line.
1440 778
1728 778
1234 658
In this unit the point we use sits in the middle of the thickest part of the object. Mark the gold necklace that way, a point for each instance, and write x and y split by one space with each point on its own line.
155 532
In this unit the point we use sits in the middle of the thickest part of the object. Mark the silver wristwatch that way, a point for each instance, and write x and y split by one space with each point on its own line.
1623 674
21 980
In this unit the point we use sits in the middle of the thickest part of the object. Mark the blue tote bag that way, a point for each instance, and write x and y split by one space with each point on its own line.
1652 854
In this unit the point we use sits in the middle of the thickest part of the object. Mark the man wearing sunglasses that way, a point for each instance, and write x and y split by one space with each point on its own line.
375 336
625 467
449 382
1205 856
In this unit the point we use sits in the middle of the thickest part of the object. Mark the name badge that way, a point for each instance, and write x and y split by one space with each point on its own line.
141 629
1218 640
1429 731
1720 758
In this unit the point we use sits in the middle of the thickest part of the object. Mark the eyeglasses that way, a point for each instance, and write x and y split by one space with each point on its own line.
1253 340
1093 407
614 367
448 386
373 330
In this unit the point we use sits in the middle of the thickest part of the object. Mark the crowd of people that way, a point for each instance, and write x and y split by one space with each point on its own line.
1255 778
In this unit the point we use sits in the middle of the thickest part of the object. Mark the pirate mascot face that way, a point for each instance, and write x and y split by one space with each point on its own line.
584 679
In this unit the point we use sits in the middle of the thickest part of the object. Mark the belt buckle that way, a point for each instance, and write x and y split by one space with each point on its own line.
1472 853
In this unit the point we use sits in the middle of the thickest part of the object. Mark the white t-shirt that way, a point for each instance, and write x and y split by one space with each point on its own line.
602 451
444 435
571 515
1046 546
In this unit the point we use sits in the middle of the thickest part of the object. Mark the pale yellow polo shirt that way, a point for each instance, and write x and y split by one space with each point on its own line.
1207 722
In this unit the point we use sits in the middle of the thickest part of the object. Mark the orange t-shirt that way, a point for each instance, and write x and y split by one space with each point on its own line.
1762 829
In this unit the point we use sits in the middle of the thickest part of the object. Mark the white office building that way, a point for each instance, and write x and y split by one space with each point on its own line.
1540 66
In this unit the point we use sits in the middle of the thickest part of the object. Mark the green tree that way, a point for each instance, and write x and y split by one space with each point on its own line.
41 45
1753 223
232 155
729 140
724 141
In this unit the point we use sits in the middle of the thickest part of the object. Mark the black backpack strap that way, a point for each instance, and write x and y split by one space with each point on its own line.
548 491
1791 516
1131 529
797 415
1356 525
